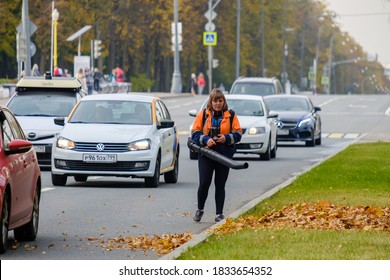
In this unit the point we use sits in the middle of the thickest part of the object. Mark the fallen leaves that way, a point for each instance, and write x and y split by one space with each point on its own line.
322 215
162 244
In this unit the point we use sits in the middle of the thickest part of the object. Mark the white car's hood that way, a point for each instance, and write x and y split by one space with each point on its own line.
42 127
112 133
251 121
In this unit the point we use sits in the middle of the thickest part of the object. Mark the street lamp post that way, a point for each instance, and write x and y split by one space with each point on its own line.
176 77
55 16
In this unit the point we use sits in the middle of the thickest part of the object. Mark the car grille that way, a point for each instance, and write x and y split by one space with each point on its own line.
78 165
108 147
288 125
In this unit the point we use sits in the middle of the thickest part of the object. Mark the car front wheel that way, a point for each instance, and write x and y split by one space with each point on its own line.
267 154
58 180
153 182
311 142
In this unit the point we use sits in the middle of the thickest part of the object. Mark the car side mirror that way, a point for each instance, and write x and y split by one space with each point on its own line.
272 114
18 146
59 121
316 109
192 112
166 124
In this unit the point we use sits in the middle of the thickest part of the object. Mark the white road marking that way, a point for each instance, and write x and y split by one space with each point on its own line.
47 189
351 135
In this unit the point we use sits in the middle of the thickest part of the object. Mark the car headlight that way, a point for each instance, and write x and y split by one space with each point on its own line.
64 143
304 123
139 145
256 130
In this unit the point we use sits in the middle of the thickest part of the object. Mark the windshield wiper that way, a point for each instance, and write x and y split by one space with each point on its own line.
36 115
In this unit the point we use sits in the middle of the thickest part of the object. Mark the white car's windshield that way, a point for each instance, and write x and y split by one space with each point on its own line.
246 107
261 89
112 111
51 105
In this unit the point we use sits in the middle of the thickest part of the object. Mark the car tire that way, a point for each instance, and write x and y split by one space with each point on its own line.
80 178
153 182
4 224
267 154
172 176
318 141
273 151
311 143
58 180
29 231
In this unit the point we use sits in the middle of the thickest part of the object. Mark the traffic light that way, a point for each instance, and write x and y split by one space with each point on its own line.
97 48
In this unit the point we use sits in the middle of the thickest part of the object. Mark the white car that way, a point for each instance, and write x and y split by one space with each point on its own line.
125 135
37 101
259 128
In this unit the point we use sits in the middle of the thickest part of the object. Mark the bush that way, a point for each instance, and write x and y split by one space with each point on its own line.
140 83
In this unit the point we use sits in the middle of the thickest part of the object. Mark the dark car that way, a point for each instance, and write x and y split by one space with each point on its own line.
257 86
20 182
298 118
37 101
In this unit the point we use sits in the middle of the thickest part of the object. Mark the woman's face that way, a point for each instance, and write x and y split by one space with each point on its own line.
217 104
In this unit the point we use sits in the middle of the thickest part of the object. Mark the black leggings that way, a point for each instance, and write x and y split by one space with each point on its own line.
206 169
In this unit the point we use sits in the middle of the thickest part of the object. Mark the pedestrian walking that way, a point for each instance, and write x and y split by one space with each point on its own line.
97 76
35 70
194 85
201 83
215 128
88 80
81 77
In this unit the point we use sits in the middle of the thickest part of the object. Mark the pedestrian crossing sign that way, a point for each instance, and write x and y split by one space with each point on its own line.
209 38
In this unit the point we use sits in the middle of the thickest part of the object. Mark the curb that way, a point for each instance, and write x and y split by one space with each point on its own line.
250 205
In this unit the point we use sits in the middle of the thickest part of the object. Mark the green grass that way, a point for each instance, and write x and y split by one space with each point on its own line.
359 175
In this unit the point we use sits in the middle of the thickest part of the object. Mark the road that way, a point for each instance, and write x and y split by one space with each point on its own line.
72 216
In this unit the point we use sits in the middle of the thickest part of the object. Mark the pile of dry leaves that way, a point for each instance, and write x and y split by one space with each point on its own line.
322 215
162 244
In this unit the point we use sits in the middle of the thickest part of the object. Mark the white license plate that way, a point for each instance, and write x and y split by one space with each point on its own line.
99 158
39 149
283 132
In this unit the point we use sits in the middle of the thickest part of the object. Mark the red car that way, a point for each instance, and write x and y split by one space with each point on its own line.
20 182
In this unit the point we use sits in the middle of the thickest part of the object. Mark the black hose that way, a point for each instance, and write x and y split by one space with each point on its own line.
211 154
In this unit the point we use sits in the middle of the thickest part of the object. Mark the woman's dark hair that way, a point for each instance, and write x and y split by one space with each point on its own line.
215 95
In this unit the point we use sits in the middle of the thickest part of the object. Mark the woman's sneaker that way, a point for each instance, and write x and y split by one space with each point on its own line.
219 217
198 215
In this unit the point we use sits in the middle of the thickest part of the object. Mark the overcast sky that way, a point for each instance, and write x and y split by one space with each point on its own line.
368 21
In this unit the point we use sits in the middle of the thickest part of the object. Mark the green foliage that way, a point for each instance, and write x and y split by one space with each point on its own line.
136 36
140 83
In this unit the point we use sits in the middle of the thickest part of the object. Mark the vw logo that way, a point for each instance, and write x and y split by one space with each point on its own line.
279 124
100 147
31 135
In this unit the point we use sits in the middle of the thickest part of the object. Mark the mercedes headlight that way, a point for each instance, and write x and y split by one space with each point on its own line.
256 130
64 143
304 123
139 145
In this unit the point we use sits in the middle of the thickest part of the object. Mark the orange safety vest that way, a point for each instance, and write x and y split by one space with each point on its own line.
224 126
